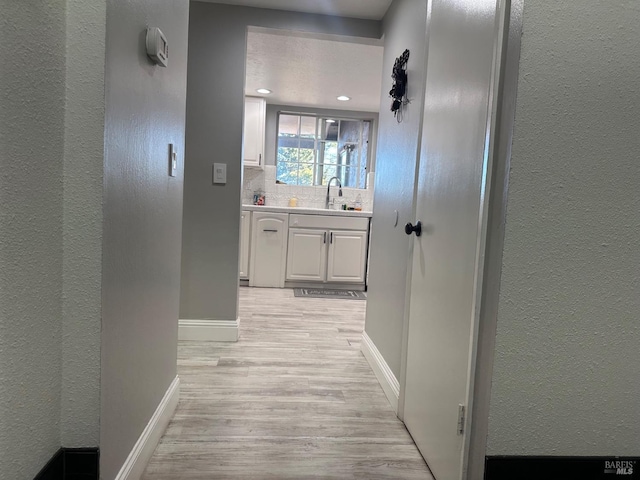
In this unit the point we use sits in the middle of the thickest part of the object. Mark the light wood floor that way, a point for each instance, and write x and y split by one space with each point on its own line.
293 399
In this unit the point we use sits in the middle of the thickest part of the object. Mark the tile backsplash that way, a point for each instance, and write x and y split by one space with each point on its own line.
278 195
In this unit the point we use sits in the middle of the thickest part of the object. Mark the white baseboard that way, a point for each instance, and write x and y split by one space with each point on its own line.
142 451
209 330
385 376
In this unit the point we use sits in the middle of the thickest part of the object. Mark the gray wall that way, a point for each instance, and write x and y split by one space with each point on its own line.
31 153
271 125
145 106
566 364
211 226
82 230
398 149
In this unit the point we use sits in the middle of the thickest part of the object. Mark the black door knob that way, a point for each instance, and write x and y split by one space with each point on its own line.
417 228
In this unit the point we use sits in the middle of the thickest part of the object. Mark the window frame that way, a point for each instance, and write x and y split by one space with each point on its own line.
362 167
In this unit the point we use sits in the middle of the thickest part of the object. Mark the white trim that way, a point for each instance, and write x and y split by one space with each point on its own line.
385 376
209 330
142 451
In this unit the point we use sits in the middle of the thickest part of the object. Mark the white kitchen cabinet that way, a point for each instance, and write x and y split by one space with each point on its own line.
254 120
347 256
327 249
307 254
268 258
245 238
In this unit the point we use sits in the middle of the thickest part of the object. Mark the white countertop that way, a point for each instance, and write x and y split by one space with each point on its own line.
307 211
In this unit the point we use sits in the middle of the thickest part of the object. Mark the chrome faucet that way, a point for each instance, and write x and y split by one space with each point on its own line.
329 188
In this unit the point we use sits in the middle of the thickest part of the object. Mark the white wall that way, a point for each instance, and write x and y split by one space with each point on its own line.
31 155
397 153
145 108
82 230
211 227
566 364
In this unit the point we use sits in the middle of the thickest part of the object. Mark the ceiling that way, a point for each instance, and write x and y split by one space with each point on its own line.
312 72
368 9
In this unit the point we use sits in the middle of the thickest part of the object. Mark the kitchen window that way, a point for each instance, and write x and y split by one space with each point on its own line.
312 149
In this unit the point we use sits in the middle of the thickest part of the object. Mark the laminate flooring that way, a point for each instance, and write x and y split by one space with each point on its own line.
293 399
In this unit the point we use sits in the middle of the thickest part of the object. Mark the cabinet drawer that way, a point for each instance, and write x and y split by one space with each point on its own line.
328 222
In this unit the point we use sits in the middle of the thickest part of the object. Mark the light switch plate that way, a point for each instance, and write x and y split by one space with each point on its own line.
173 160
219 173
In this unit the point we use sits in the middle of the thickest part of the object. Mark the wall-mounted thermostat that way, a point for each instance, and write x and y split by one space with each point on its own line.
157 47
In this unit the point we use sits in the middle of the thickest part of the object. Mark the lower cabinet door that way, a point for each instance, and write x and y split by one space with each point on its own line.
347 256
267 262
245 237
307 255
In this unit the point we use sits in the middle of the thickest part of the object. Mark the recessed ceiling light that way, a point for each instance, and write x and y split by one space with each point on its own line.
264 91
330 120
344 98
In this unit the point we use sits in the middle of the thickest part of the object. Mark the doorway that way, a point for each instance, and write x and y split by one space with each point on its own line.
462 159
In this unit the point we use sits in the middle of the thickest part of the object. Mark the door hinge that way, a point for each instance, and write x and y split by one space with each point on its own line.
461 418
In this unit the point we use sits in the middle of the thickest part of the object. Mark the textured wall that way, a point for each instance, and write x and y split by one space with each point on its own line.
31 153
404 27
211 227
566 366
82 230
145 106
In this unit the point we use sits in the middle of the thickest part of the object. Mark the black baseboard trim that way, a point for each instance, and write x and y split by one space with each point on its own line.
72 464
561 468
54 469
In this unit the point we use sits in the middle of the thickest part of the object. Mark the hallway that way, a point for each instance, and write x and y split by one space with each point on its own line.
294 398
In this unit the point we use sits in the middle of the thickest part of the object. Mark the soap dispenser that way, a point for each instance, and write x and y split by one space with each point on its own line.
358 204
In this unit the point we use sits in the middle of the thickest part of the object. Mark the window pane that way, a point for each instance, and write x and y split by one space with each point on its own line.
306 155
289 142
364 154
328 172
288 125
329 153
362 181
349 131
287 154
308 127
287 172
305 174
349 177
329 130
311 150
348 156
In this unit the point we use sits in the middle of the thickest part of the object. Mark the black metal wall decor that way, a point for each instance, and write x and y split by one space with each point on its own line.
398 91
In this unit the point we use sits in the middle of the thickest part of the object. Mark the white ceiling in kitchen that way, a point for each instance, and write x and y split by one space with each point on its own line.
305 71
369 9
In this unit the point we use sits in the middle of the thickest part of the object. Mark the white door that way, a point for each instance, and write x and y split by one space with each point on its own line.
254 118
347 256
307 254
245 236
453 161
267 261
